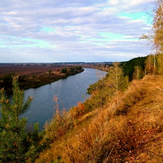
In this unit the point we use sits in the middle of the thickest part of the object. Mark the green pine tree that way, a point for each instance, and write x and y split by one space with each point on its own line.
14 144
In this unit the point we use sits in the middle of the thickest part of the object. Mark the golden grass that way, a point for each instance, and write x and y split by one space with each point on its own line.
129 130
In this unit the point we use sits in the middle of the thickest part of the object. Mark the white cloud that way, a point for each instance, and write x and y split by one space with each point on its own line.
24 30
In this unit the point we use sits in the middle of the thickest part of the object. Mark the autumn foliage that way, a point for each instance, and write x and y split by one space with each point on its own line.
130 129
77 111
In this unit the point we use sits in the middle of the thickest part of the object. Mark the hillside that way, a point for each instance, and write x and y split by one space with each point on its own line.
127 129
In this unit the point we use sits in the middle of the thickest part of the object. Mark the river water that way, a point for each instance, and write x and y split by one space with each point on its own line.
69 91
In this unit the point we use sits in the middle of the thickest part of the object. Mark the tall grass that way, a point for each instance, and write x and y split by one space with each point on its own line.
130 129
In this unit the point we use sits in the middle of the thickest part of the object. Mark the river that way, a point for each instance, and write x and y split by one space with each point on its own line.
69 91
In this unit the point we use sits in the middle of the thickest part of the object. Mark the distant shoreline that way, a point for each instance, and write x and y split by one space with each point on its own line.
35 76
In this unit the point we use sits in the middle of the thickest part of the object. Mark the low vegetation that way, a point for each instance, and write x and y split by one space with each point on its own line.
120 122
129 128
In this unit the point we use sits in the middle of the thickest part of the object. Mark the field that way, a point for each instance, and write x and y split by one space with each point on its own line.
27 70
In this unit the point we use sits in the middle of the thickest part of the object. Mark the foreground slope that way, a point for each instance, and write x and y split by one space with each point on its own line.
129 129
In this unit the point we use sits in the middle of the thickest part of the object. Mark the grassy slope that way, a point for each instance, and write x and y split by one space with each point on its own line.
129 129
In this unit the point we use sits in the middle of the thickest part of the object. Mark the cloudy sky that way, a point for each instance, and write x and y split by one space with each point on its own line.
73 30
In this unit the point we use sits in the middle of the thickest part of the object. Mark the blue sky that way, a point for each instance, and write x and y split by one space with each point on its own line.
73 30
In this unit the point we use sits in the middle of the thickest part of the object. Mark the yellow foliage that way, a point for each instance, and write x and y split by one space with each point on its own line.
77 111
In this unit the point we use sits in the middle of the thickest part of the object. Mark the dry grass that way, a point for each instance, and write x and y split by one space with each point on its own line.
129 130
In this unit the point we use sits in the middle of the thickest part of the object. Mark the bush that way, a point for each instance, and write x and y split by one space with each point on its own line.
64 70
7 79
58 126
77 111
78 67
72 69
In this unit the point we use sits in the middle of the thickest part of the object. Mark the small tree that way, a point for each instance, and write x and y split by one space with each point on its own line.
7 79
50 72
116 79
14 146
138 73
158 27
64 70
159 59
150 64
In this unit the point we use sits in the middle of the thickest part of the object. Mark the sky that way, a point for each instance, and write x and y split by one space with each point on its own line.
73 30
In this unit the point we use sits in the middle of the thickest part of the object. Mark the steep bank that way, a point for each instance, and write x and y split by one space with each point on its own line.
128 129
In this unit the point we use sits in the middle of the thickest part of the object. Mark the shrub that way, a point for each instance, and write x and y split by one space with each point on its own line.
72 69
59 125
77 111
64 70
7 79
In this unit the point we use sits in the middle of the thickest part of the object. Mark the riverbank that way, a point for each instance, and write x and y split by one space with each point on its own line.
69 92
128 128
37 79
